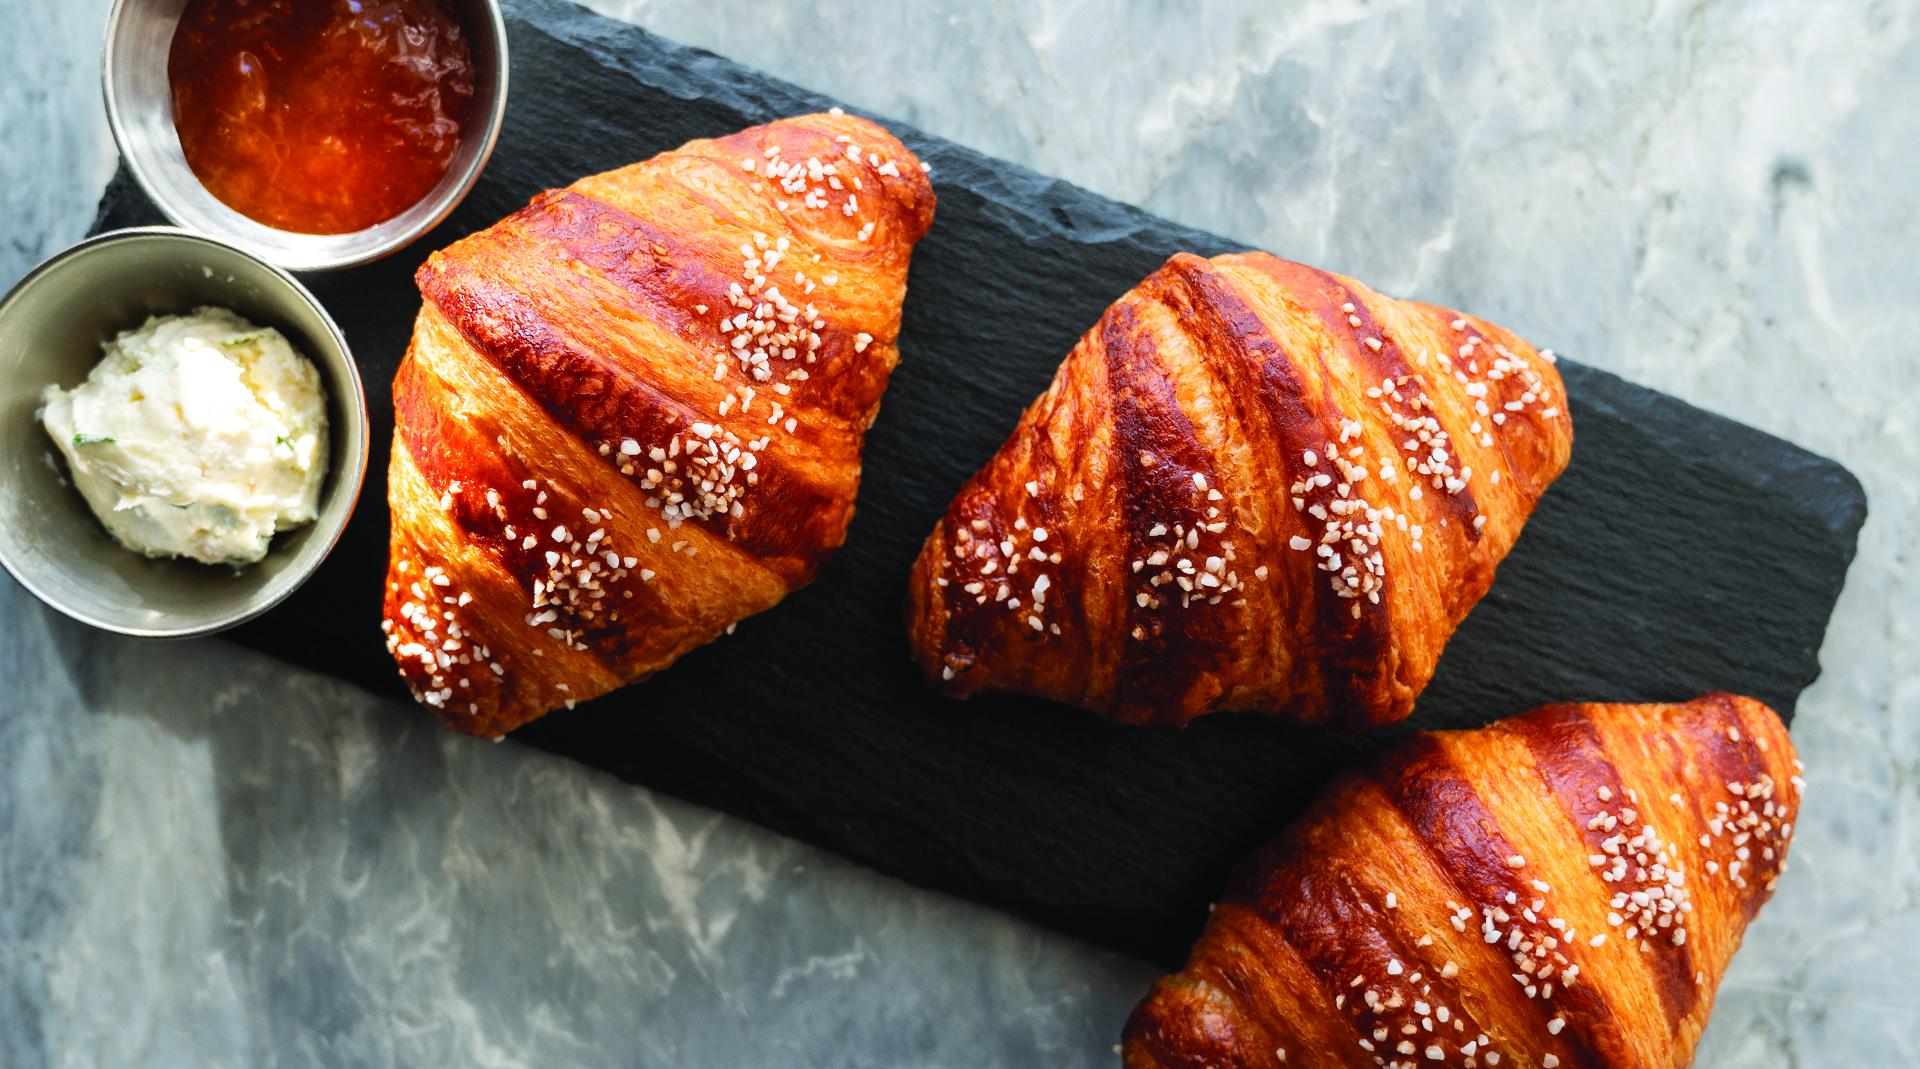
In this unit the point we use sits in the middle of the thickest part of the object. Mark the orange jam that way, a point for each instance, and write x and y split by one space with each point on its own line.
320 116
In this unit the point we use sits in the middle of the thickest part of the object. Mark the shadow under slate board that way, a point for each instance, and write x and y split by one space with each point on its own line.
1679 553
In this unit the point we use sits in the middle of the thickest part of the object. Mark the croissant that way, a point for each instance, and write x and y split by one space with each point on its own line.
631 413
1252 486
1565 888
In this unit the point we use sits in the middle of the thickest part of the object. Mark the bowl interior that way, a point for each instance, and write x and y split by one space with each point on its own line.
51 330
140 108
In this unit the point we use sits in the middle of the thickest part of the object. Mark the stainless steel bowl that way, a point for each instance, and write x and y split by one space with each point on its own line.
133 72
51 327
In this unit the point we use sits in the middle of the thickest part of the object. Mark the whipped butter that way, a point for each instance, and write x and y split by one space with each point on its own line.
197 436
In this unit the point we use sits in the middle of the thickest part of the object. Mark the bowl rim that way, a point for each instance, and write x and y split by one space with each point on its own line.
357 412
399 239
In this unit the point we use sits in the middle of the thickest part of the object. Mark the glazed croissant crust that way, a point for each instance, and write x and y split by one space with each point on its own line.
1562 889
1252 486
632 412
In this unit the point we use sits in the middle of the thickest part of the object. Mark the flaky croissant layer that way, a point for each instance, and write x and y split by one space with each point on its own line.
1563 889
632 412
1252 486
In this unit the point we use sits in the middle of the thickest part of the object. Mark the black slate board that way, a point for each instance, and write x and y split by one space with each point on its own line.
1680 552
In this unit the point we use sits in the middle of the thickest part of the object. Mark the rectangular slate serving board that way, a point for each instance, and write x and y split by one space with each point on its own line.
1679 553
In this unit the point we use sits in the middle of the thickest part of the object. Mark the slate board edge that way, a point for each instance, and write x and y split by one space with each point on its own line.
1682 427
1015 189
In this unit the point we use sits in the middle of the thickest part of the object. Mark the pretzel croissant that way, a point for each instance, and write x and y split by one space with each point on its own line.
1252 486
632 412
1562 889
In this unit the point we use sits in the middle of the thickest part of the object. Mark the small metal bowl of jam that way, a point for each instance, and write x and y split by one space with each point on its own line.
316 134
52 326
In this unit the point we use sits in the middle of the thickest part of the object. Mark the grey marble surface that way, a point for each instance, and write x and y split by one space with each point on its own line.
207 859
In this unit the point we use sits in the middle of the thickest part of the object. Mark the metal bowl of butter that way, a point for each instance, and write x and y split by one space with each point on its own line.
53 326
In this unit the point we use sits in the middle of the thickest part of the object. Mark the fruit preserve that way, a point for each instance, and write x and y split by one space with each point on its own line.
320 116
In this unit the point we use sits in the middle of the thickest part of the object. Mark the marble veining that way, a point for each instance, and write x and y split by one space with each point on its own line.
208 859
56 152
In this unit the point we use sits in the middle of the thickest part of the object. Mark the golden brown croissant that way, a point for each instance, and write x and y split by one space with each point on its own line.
1252 486
1562 889
632 412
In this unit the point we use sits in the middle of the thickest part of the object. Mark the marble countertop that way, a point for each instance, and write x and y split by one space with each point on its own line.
209 859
